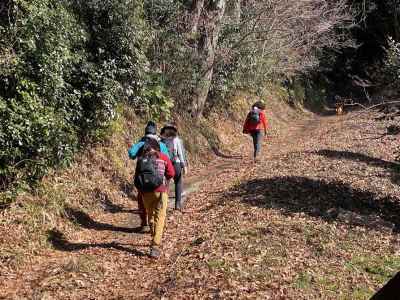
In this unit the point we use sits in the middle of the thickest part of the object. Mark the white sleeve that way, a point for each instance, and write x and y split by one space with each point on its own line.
181 151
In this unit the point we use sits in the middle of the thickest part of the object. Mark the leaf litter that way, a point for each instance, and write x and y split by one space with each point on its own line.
316 218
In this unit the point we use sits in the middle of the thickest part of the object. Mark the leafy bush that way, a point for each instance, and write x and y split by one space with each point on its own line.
157 105
64 67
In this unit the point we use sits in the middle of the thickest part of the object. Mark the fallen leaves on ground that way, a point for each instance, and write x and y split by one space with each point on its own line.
317 218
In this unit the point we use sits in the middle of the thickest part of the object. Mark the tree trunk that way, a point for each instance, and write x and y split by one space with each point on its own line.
207 56
237 11
197 8
396 24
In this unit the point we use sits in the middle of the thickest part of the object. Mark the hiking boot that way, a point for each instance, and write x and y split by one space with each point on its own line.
179 208
144 229
155 252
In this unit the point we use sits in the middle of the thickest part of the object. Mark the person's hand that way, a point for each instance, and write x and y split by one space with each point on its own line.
184 170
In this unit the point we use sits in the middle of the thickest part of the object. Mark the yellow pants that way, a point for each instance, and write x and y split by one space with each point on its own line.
156 208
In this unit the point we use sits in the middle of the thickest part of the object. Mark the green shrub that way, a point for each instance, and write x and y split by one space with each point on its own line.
64 67
391 69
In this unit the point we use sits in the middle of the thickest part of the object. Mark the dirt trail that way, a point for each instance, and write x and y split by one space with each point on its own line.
106 259
114 230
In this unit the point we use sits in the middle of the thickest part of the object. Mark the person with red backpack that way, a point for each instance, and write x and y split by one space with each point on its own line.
135 151
255 122
153 170
169 136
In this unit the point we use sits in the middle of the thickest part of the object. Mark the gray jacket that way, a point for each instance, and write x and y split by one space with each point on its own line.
180 153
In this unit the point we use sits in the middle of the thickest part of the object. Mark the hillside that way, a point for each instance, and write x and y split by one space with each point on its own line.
316 218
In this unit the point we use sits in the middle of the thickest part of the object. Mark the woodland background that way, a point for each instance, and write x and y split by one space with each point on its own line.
69 68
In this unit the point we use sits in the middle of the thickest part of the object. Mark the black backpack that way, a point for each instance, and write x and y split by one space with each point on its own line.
147 176
254 116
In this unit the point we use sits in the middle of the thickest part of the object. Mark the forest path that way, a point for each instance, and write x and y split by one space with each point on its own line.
299 224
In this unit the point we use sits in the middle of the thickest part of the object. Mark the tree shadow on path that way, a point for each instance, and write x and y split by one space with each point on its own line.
108 205
372 161
113 208
318 198
85 221
218 153
59 242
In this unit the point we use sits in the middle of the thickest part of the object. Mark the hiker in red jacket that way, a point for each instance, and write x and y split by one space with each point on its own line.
255 122
153 171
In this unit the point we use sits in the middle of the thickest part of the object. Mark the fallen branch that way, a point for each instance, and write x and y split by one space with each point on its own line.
367 109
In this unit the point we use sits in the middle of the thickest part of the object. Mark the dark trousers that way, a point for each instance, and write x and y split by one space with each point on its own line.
142 210
256 135
178 180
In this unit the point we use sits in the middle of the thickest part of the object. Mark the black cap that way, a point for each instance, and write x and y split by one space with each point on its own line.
171 126
151 128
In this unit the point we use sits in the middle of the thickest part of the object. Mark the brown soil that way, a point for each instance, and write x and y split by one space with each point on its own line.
316 218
